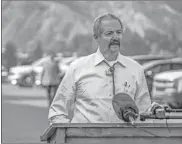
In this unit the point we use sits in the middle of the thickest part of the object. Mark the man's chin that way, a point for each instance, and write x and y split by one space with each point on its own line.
114 48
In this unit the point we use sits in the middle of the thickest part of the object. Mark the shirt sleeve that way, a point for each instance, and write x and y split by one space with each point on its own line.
142 97
62 105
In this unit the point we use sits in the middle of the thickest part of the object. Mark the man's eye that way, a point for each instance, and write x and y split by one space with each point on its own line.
109 33
119 32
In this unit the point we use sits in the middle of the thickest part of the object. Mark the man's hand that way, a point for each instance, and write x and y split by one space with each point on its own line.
58 119
157 110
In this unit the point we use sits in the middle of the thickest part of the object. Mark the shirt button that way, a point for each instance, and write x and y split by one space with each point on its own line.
110 95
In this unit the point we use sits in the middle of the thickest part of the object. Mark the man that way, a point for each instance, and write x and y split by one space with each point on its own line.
85 93
51 76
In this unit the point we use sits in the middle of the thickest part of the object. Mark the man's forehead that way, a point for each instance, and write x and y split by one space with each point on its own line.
111 23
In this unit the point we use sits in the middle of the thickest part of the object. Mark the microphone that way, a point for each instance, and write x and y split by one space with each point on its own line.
125 108
129 115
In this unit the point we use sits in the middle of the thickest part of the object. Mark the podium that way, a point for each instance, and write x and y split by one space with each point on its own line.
114 133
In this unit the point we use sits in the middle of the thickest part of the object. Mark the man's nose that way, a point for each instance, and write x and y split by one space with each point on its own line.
116 35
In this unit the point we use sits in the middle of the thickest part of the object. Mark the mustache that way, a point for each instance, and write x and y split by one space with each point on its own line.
114 42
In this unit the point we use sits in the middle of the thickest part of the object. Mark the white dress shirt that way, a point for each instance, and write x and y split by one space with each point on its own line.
86 91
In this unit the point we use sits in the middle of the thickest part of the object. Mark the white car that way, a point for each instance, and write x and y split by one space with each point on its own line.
65 62
164 85
27 75
174 96
4 74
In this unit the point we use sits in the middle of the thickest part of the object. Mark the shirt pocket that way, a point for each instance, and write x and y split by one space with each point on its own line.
132 91
129 87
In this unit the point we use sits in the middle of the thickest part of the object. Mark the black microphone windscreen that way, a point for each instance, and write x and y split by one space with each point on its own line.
121 102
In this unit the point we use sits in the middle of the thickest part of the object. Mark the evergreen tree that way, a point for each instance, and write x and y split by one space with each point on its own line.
35 51
10 55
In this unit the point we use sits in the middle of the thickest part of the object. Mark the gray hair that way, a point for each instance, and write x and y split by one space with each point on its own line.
98 20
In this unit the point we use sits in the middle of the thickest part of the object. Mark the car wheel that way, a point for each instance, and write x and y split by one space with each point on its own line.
28 81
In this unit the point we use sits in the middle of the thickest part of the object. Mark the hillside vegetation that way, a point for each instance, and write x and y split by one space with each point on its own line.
67 25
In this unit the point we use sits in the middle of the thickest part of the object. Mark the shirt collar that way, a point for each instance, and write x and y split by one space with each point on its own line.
99 58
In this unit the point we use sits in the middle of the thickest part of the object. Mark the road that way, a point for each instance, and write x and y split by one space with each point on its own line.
24 114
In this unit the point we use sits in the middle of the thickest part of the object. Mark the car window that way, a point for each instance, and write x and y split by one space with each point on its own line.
176 66
160 68
143 61
165 67
155 69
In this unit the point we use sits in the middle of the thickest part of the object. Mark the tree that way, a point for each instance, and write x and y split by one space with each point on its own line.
10 55
38 51
82 44
35 51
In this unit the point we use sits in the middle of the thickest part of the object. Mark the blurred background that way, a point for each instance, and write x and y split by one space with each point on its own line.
33 29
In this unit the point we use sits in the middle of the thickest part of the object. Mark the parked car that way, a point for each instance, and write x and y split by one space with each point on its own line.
4 74
27 75
154 67
20 75
65 62
141 59
174 96
167 88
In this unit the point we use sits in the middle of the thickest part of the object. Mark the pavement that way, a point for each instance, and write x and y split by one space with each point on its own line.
24 114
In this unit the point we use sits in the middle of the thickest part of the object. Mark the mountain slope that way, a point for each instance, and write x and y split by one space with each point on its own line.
60 24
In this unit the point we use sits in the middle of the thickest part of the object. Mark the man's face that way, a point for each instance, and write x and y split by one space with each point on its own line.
110 36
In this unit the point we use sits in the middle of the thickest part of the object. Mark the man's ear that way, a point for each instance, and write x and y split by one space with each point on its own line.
97 39
95 36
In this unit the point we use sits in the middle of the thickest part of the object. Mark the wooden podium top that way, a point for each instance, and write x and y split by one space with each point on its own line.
123 128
